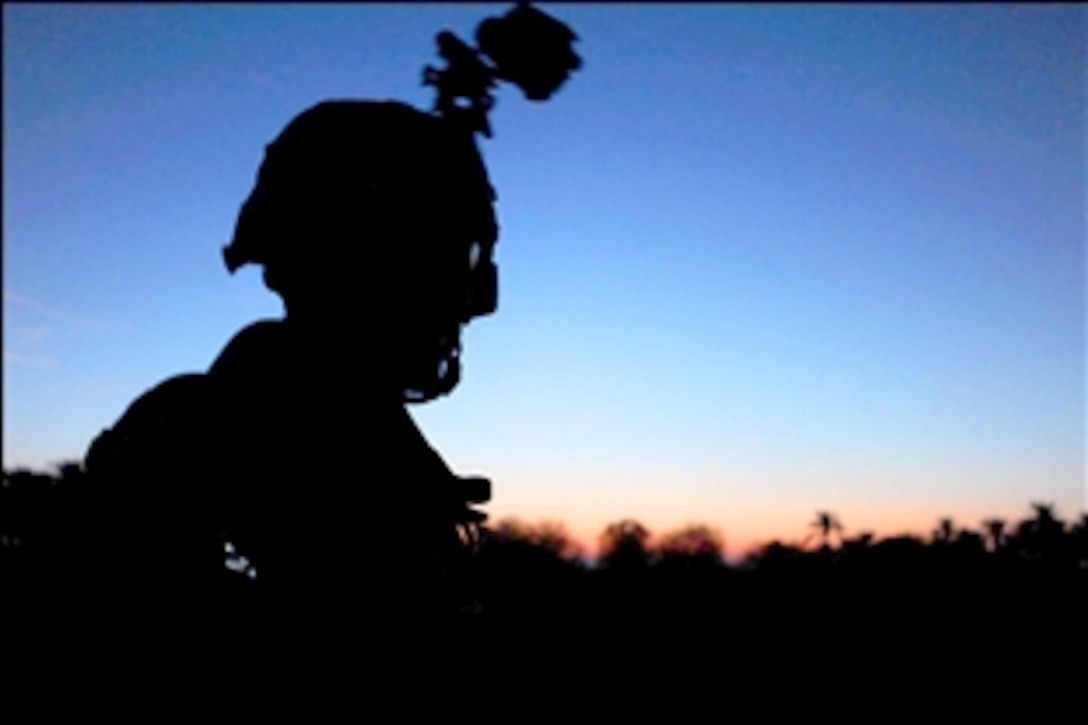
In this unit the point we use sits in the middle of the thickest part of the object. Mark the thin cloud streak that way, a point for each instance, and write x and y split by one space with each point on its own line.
33 335
31 304
18 358
28 303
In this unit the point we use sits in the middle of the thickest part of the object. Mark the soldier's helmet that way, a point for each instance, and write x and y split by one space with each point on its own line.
384 205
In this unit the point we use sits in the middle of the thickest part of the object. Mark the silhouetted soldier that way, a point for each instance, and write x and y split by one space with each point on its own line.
374 222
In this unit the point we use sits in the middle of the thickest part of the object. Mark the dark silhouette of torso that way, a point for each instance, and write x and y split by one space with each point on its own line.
331 482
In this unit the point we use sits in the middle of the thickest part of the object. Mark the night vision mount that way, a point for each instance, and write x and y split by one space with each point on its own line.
525 47
533 51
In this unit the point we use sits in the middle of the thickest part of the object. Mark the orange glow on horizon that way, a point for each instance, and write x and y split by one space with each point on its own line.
585 539
744 535
749 507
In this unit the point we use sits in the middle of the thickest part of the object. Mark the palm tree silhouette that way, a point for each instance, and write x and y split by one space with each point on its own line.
946 531
995 533
1039 537
1045 520
826 525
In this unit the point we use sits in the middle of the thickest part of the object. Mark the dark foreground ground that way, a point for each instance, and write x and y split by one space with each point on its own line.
1031 575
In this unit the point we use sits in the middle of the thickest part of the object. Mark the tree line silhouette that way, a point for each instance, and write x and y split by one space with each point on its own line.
50 523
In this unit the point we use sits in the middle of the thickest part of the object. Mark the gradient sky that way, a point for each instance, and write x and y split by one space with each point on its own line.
756 261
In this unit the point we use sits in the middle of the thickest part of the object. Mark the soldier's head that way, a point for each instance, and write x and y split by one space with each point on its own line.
381 216
378 215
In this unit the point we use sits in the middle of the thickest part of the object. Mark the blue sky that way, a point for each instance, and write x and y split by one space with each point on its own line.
755 260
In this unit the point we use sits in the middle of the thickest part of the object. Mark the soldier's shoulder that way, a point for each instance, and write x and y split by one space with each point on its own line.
161 420
255 347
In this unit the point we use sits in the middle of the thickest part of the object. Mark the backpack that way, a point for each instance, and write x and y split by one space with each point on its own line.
155 504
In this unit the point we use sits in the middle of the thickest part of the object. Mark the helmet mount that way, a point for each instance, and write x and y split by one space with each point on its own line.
525 47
